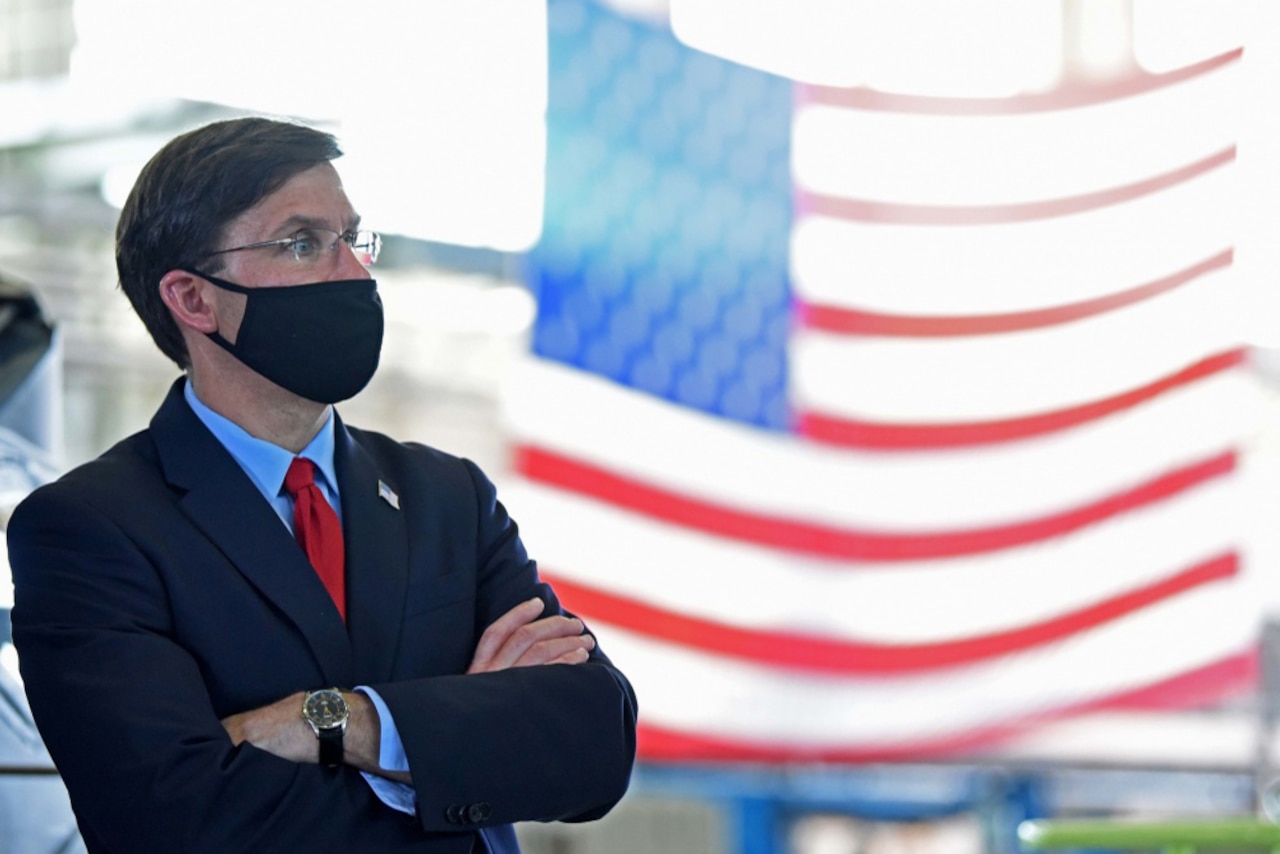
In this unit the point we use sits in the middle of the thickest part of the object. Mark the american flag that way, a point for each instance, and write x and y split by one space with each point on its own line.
865 426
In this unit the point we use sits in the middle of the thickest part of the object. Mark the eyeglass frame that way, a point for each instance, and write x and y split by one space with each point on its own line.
341 235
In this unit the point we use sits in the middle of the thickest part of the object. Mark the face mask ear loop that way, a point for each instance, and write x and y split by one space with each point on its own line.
216 282
216 337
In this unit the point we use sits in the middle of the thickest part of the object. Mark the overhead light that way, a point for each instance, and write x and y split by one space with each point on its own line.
981 48
439 106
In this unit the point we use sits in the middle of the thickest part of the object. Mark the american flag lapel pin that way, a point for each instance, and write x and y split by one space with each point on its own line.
388 495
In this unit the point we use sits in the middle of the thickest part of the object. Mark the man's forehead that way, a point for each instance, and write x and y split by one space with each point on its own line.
313 198
298 221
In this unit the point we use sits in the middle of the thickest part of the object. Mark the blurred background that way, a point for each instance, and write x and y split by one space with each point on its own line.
892 386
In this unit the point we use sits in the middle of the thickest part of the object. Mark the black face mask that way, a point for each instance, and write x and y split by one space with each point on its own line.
320 341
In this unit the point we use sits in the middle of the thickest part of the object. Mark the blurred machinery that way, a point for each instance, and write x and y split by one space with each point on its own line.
35 815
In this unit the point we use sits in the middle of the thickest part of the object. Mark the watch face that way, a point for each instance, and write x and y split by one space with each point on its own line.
326 709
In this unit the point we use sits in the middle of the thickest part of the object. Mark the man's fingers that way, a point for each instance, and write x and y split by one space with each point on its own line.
516 639
524 639
564 650
577 656
500 631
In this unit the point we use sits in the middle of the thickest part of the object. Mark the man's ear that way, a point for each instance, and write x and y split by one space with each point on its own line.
190 300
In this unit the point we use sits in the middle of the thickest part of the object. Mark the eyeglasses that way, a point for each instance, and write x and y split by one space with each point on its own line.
310 245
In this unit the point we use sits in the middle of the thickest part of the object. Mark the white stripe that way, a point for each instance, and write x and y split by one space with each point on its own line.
597 422
721 697
1008 159
747 586
983 269
977 378
1169 34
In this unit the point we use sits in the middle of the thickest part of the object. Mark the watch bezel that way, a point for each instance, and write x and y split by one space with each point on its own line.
315 708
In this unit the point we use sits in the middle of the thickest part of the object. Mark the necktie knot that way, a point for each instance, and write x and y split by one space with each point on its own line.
301 474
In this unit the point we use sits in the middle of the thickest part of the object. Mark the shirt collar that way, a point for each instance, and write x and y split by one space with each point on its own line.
264 462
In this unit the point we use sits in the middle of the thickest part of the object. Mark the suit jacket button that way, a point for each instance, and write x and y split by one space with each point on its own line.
453 814
477 813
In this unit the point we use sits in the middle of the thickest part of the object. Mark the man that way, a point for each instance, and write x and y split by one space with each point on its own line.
254 628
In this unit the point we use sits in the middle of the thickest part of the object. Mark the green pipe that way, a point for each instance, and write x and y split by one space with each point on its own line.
1173 837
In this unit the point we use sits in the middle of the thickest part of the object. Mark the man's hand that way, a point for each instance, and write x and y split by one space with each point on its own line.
277 728
519 639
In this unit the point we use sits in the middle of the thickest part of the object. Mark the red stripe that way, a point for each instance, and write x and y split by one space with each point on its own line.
1069 96
867 210
851 321
805 652
782 533
872 435
1229 677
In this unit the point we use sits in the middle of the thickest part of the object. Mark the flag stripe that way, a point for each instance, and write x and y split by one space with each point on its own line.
808 653
575 475
994 269
867 602
852 321
868 210
868 435
1019 374
1221 680
1071 96
990 160
689 688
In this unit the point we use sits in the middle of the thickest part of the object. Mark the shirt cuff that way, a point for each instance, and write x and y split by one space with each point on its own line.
391 757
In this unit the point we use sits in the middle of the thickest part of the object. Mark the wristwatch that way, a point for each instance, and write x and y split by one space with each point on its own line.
326 712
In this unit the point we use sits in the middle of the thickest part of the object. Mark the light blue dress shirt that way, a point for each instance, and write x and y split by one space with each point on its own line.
266 465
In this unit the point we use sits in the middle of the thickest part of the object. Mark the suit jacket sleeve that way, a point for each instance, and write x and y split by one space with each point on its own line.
553 742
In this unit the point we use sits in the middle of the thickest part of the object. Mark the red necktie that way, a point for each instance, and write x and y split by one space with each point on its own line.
317 529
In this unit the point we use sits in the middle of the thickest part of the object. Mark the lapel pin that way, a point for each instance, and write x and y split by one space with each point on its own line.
388 495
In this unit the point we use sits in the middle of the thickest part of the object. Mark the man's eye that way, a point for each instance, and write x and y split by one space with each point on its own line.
305 244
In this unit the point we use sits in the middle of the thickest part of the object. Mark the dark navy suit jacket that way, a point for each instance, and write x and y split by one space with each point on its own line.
157 592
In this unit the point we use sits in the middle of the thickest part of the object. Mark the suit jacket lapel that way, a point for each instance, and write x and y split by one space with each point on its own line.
377 549
223 503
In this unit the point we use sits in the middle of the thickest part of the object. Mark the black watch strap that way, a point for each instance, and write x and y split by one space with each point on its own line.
330 747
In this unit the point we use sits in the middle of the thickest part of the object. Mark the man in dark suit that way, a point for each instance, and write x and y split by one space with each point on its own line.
254 628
